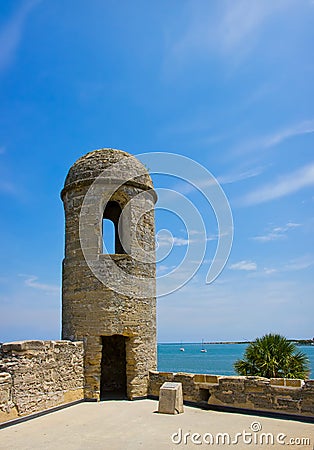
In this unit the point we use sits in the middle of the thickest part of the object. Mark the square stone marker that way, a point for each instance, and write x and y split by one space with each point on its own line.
170 398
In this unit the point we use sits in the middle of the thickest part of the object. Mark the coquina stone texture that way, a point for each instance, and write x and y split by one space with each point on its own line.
109 300
109 311
38 375
280 395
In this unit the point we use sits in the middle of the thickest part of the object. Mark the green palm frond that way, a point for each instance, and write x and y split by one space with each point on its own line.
273 356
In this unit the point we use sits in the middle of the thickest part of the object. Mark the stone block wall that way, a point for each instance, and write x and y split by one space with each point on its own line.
8 410
280 395
38 375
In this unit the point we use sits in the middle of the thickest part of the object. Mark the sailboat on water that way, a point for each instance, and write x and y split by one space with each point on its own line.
182 349
203 349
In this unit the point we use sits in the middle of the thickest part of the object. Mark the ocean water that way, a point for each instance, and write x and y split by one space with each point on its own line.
218 360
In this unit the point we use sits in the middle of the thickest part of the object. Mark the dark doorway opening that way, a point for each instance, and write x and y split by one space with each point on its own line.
113 368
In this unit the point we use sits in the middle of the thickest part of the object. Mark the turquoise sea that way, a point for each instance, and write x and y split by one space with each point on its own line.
218 360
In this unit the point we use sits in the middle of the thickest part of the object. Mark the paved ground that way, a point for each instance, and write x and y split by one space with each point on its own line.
127 425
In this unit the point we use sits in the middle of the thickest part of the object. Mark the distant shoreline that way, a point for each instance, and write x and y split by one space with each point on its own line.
205 343
296 341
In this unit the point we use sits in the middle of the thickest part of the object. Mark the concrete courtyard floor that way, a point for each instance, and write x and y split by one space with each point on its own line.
136 425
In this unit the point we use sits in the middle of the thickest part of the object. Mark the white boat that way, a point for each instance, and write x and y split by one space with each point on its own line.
203 349
182 349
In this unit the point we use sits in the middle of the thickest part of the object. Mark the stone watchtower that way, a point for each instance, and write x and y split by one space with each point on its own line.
109 300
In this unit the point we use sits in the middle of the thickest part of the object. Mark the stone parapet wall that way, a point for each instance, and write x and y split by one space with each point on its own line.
279 395
8 410
38 375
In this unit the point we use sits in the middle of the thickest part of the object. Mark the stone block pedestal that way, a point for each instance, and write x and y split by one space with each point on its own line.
171 398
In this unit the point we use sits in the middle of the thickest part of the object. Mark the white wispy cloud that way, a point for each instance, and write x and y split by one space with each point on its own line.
177 241
275 138
229 29
31 281
200 236
163 268
240 176
301 263
242 20
202 261
281 187
194 232
244 265
276 233
169 240
294 265
165 240
228 178
11 33
269 270
305 127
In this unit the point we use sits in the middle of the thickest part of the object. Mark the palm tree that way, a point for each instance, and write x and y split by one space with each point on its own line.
273 356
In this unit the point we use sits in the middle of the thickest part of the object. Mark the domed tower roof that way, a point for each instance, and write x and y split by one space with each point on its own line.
90 166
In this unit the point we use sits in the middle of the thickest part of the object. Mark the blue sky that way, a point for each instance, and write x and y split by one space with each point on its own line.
226 83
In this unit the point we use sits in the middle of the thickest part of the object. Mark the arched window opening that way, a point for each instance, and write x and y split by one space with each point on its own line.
110 232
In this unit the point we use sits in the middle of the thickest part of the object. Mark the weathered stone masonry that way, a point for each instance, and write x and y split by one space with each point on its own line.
33 385
279 395
38 375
